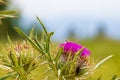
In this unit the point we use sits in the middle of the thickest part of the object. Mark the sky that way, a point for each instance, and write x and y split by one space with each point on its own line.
49 8
84 15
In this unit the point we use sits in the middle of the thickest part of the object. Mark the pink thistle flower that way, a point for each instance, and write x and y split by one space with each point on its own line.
71 47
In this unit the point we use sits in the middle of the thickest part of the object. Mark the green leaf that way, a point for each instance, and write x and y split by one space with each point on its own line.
7 12
65 66
77 54
31 34
48 35
48 70
48 44
37 43
7 76
30 66
42 25
4 67
13 59
20 60
8 65
30 41
51 33
47 47
58 55
4 14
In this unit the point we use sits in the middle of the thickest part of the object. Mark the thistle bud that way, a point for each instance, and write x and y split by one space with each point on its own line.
69 53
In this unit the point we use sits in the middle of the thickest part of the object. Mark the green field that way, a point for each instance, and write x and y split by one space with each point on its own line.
100 49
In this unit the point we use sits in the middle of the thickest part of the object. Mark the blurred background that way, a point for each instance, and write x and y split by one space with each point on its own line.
83 19
93 23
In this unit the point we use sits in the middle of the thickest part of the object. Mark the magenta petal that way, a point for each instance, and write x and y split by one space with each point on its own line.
73 48
85 52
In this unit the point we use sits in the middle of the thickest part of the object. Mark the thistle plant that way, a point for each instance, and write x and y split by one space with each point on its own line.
19 60
76 58
66 61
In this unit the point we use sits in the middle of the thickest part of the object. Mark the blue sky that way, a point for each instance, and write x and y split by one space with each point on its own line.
85 15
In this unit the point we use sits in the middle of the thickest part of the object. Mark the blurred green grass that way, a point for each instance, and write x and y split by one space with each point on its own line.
100 48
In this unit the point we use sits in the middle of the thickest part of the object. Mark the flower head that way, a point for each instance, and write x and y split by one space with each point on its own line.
71 47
